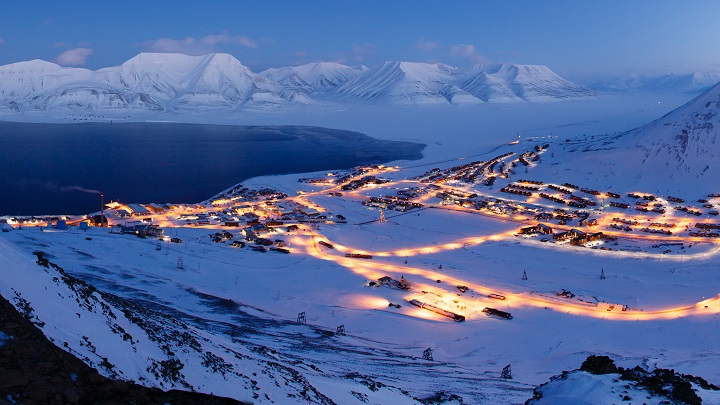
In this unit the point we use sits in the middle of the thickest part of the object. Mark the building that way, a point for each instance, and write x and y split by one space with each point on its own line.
137 209
143 230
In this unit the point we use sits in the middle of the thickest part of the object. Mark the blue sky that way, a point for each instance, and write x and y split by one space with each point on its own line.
580 40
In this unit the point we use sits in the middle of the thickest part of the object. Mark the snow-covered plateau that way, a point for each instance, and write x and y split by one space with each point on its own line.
413 282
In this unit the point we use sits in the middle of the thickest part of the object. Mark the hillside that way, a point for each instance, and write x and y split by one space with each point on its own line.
673 154
33 370
312 78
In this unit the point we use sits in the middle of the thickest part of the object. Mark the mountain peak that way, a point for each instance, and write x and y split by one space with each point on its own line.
178 59
34 65
312 78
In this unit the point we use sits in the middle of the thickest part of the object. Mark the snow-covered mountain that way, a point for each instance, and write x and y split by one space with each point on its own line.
407 83
176 81
149 81
166 82
31 83
423 83
312 78
511 82
673 82
675 153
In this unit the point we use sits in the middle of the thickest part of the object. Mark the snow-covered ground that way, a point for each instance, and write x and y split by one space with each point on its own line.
241 306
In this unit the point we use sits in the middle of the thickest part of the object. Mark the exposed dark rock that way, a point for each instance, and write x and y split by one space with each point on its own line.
664 383
34 371
599 365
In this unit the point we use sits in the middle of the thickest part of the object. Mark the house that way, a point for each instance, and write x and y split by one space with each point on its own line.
562 236
249 234
310 212
539 228
544 229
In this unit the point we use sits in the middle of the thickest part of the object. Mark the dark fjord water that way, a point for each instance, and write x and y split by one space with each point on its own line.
60 168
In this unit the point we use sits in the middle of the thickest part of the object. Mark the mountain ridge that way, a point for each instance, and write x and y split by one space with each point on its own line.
694 82
165 82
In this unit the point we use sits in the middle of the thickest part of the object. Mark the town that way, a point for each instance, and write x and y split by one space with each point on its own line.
558 214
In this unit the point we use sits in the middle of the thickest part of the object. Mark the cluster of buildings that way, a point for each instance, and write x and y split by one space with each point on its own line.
239 193
468 173
392 202
362 182
706 230
575 236
337 178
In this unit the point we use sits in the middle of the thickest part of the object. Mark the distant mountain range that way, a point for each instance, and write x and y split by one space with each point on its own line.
672 82
175 82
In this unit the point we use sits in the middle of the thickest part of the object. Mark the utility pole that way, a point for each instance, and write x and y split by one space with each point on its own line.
102 210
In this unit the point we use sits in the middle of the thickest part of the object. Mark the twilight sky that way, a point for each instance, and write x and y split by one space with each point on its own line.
581 40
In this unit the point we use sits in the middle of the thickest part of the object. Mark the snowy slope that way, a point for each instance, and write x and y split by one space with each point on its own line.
675 153
31 84
488 87
507 82
312 78
407 83
672 82
149 322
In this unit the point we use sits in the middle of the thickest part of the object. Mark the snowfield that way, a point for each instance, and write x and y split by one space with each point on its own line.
315 326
